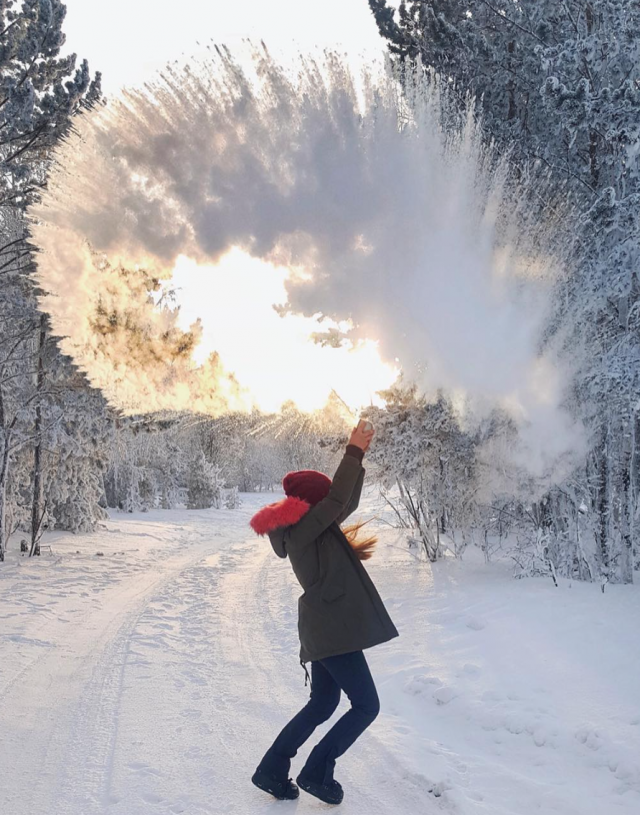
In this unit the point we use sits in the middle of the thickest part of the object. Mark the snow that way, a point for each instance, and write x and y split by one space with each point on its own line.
151 679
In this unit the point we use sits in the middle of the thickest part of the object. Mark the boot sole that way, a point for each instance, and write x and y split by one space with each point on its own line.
317 791
266 784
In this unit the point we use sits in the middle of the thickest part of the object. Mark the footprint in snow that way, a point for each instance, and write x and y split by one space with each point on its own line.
151 798
445 695
418 684
591 737
436 788
143 769
475 624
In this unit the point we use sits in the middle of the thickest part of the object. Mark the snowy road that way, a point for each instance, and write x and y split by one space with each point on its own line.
151 678
61 676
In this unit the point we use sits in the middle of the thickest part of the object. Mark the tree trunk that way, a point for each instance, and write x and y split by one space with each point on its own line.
511 86
36 507
4 468
635 486
626 501
602 503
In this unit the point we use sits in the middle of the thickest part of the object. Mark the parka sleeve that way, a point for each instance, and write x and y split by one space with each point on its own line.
324 513
354 501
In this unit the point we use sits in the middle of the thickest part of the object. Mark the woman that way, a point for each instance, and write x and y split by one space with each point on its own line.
340 613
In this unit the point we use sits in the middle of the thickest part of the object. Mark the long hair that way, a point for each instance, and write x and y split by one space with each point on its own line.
362 546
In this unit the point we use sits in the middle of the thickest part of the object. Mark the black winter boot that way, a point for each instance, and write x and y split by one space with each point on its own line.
330 792
282 790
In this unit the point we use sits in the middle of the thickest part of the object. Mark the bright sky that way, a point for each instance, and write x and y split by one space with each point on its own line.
129 39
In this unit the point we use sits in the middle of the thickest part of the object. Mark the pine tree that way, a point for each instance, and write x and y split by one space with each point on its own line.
76 438
204 487
169 476
39 94
559 84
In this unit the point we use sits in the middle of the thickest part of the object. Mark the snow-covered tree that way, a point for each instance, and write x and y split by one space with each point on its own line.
168 476
559 84
75 436
204 485
421 450
232 498
145 465
39 93
255 451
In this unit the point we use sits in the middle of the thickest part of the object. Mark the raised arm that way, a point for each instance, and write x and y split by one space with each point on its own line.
354 501
324 513
345 487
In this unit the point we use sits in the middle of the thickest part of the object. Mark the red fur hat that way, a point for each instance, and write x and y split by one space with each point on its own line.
308 485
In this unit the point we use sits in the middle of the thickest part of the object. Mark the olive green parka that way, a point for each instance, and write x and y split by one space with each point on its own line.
340 609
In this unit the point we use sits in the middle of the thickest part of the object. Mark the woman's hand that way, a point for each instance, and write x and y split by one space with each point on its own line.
361 438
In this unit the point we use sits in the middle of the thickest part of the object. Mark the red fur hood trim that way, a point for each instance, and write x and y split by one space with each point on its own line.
283 513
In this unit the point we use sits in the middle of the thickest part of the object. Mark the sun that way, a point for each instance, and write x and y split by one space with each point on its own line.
274 357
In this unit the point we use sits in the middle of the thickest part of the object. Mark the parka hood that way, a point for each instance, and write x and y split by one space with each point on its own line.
274 519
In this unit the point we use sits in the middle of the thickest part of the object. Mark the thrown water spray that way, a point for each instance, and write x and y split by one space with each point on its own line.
371 218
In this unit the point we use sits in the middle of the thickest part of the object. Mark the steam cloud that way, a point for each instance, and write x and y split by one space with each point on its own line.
387 213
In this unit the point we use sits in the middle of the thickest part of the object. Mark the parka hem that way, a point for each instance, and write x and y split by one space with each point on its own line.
338 652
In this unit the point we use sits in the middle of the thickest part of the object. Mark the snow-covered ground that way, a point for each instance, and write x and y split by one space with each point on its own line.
149 680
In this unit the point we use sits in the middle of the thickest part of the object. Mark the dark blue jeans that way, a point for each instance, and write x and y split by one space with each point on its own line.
347 672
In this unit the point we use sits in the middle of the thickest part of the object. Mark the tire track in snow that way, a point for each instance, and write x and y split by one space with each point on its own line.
76 754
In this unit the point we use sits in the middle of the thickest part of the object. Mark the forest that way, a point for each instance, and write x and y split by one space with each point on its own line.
555 88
